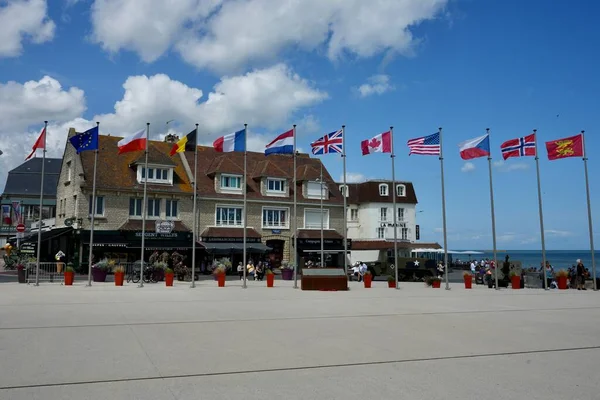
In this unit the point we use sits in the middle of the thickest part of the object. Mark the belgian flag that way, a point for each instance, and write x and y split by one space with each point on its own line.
188 142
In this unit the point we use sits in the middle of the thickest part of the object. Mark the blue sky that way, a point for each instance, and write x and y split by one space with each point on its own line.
510 66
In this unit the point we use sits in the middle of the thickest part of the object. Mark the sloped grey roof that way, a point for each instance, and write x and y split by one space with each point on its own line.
26 178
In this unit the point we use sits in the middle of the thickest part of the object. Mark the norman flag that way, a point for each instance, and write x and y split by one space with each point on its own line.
564 148
330 143
520 147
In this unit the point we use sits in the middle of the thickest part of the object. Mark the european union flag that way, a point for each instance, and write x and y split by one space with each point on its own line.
84 141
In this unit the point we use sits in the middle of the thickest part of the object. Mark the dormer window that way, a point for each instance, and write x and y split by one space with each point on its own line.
401 190
383 189
316 190
156 175
231 183
275 186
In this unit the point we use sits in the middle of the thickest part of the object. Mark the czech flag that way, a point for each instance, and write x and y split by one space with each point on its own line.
475 148
233 142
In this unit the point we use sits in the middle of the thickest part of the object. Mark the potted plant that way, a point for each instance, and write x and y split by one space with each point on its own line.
287 271
468 278
181 270
119 275
219 273
100 270
367 279
392 282
69 275
159 270
433 281
270 278
21 273
515 280
169 274
562 276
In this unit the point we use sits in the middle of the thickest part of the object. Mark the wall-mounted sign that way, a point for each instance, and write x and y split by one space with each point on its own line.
215 239
164 227
391 224
276 231
28 248
417 232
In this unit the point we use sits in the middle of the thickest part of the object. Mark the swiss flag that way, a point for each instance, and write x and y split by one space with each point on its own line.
381 143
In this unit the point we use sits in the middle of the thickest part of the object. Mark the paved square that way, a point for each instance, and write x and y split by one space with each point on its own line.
103 342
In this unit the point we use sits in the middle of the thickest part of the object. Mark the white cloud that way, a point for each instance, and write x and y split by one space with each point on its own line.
513 166
468 167
262 98
353 177
22 20
557 233
376 84
227 34
22 105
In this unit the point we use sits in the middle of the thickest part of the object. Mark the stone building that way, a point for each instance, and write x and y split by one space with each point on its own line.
269 186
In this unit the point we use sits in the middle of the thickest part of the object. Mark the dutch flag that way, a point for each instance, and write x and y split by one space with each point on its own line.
282 144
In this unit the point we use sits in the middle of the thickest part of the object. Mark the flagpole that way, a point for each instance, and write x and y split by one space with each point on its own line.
539 189
39 244
589 210
194 231
295 252
493 214
443 213
393 156
322 247
345 202
93 211
144 205
244 190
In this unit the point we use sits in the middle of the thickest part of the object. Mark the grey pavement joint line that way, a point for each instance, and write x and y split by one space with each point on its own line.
311 367
212 321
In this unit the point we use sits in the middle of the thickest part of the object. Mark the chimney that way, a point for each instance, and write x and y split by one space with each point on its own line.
171 138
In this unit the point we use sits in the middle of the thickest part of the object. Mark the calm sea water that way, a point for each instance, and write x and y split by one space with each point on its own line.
559 259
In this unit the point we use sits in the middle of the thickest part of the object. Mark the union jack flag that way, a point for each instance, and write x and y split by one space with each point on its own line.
520 147
330 143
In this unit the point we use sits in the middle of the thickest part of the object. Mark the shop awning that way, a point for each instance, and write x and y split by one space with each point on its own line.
47 235
226 248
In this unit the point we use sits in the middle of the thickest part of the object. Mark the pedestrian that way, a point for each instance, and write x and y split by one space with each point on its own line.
240 270
580 275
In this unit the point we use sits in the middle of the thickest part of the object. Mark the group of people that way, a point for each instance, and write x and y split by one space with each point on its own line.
577 274
256 272
359 269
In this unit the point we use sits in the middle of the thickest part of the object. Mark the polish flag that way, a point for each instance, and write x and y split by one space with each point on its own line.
135 142
381 143
233 142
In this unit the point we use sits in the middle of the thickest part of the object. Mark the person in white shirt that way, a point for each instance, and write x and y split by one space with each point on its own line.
356 271
363 269
473 267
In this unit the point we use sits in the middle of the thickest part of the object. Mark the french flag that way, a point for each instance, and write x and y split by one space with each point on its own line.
475 148
135 142
232 142
282 144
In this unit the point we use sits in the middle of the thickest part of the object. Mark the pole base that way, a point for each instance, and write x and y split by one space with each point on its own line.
88 285
193 285
141 285
448 287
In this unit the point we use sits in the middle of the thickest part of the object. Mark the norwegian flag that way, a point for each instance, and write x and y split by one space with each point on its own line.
330 143
520 147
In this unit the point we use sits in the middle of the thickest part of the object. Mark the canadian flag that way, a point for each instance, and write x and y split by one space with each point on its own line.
381 143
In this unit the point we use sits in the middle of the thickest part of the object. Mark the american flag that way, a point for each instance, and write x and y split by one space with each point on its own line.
330 143
426 145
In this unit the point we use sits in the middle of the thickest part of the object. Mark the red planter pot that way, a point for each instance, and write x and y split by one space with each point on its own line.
69 277
392 284
515 282
270 280
436 284
221 280
562 282
169 279
367 279
468 281
119 278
